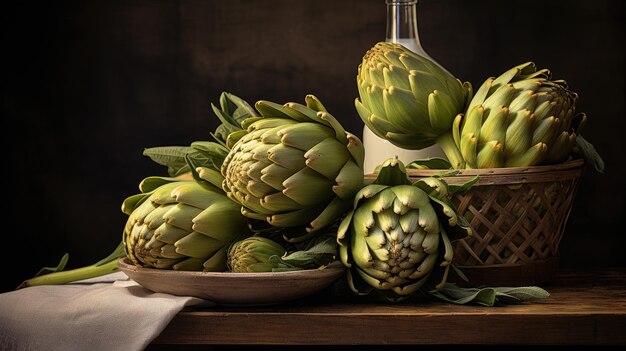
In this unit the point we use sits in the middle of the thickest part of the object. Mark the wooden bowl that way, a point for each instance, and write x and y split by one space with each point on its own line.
235 288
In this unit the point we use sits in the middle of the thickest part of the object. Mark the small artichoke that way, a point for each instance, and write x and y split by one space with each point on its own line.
253 255
521 118
181 225
408 99
295 167
398 236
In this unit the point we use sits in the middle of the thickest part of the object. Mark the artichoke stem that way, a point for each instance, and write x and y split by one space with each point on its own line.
447 144
72 275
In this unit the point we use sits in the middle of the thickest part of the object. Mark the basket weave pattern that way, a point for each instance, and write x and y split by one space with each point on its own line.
518 215
513 226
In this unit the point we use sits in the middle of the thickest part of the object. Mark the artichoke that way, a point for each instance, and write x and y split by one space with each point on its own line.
521 118
253 255
273 254
295 167
397 239
409 100
181 225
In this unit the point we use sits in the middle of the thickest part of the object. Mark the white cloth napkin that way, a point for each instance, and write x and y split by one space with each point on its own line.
111 312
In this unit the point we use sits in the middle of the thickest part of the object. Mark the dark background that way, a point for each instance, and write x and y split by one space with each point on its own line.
87 85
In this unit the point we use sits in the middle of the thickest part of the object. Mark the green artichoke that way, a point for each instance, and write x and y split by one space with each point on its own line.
409 100
521 118
295 167
398 236
274 254
181 225
253 255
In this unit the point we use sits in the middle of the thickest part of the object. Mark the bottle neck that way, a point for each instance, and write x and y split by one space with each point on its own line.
402 23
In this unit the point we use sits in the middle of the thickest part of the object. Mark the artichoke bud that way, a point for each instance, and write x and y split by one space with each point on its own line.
406 98
526 120
397 238
295 167
254 255
181 225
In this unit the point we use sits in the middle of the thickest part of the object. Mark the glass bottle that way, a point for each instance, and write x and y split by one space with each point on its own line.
401 29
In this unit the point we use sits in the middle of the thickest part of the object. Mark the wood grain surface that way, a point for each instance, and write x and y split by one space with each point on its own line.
585 308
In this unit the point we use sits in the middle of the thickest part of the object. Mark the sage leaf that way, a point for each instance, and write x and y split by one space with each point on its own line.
489 296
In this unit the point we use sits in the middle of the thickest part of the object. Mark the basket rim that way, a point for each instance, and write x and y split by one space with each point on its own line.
567 165
570 169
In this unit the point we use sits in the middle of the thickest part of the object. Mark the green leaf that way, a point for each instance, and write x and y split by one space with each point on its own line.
462 296
58 268
430 163
173 157
589 153
243 109
489 296
453 189
319 251
523 293
59 276
204 154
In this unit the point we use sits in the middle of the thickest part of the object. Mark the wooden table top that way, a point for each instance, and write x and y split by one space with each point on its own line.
584 308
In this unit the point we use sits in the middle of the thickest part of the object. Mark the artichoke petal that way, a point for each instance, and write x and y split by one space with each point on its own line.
414 141
169 234
314 103
530 157
396 77
318 189
197 245
519 134
348 181
355 147
293 218
272 110
400 104
495 126
304 136
441 111
491 155
525 100
360 252
155 217
274 175
279 202
220 220
332 211
181 215
287 157
217 262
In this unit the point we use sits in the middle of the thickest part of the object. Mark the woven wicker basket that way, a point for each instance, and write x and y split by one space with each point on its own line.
518 216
